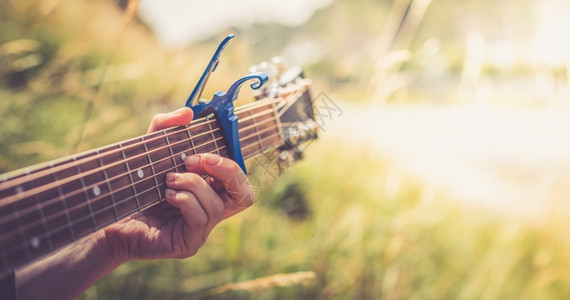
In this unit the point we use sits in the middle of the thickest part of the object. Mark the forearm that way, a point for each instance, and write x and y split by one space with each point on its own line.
68 272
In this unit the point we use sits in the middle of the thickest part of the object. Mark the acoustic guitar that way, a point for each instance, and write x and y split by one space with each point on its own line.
47 206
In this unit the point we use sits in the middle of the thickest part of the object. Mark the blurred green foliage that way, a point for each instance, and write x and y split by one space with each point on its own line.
377 235
70 81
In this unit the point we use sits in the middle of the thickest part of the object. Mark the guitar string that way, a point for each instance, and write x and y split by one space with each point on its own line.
72 160
178 131
59 229
17 179
186 128
51 232
92 158
14 182
85 188
81 189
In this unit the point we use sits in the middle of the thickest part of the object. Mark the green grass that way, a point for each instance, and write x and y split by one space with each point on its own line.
361 240
342 224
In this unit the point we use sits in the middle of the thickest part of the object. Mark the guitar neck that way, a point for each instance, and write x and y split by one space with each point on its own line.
43 208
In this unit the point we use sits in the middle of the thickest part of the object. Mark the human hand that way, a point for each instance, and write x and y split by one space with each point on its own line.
213 189
177 229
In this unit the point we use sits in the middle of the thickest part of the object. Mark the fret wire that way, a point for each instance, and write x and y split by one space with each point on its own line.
268 137
121 201
214 137
109 187
191 140
17 180
259 123
257 104
162 172
128 168
256 131
130 176
150 204
64 203
62 227
42 172
40 211
249 136
265 111
127 199
151 166
120 162
48 202
217 148
171 153
22 231
86 195
117 176
277 121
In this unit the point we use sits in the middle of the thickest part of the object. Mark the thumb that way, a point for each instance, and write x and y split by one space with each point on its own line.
180 117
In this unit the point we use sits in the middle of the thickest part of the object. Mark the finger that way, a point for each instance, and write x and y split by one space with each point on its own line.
227 172
209 200
194 216
216 185
180 117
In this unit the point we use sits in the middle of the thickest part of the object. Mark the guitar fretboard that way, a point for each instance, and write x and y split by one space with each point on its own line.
44 208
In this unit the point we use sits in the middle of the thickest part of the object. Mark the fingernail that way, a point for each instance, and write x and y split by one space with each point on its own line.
192 161
171 177
180 110
170 193
212 159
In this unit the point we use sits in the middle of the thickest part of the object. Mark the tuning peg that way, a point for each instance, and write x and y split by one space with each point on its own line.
287 157
280 64
284 160
271 89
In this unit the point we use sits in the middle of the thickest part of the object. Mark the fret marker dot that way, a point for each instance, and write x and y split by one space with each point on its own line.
19 189
35 242
140 173
183 156
96 191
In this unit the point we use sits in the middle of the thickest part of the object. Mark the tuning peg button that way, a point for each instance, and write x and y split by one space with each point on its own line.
284 160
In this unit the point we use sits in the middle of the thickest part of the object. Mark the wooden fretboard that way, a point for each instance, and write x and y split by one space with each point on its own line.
43 208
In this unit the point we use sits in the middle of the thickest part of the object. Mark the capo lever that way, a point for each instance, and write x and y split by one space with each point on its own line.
212 65
222 105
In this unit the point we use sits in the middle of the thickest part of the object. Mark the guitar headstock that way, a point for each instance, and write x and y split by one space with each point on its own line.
291 91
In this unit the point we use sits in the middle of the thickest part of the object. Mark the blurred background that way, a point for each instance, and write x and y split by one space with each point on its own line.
443 172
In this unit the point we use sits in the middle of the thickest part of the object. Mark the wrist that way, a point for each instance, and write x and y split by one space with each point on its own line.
107 250
79 265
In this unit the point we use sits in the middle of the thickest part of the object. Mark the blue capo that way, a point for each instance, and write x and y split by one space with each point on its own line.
222 103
